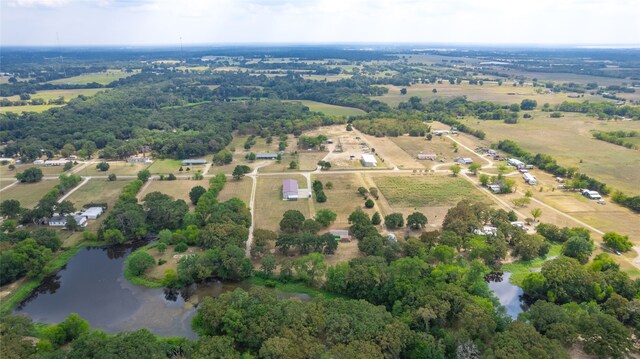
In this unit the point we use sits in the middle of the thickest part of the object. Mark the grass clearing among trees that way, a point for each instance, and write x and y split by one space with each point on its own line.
423 191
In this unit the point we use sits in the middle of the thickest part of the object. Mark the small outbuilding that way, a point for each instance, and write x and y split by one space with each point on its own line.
369 160
341 235
193 162
427 156
266 156
60 162
92 212
290 190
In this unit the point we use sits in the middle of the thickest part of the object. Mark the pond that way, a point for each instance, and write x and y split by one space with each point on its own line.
92 284
509 295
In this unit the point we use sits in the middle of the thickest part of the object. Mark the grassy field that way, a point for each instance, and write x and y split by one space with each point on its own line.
240 189
28 193
569 140
103 78
332 110
120 168
438 145
328 78
424 191
30 108
46 170
269 205
490 91
55 94
343 198
169 166
97 190
178 189
520 269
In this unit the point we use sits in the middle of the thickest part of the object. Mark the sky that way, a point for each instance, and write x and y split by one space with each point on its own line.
166 22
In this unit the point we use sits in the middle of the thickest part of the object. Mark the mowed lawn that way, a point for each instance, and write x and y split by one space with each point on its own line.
46 170
97 191
28 193
424 191
103 78
178 189
170 166
332 110
269 205
239 189
119 168
569 140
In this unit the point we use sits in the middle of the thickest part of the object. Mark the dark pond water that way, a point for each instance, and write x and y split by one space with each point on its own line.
509 295
92 284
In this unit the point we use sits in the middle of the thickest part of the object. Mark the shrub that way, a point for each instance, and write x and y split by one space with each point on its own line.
181 247
139 262
369 203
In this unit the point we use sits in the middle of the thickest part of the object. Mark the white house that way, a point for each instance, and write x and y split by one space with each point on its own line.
38 162
60 162
486 231
92 212
494 187
61 221
427 156
529 178
369 160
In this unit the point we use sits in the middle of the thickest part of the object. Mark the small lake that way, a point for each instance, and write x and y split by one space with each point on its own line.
92 284
509 295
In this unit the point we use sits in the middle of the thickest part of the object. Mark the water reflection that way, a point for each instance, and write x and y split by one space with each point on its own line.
92 284
509 295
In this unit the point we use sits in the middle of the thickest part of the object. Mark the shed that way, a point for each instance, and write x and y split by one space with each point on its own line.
427 156
494 187
341 235
290 190
92 212
266 156
369 160
192 162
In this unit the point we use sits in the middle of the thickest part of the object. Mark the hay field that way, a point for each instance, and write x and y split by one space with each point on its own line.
240 189
103 78
343 198
331 110
178 189
28 193
569 140
120 168
490 91
98 191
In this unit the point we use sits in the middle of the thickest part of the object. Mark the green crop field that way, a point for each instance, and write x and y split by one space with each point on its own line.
569 140
332 110
103 78
423 191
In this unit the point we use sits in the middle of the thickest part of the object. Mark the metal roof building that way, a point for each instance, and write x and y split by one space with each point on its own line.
290 190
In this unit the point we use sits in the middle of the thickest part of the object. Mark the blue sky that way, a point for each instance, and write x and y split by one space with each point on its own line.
149 22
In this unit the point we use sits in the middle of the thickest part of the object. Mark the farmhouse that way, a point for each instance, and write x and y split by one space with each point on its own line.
61 221
266 156
38 162
139 160
369 160
487 231
427 156
515 162
341 235
92 212
441 132
192 162
494 187
60 162
290 190
464 160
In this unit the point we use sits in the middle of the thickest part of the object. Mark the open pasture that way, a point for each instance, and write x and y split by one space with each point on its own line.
343 198
28 193
28 108
97 191
234 188
269 205
168 166
569 140
178 189
46 170
119 168
103 78
490 91
331 110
